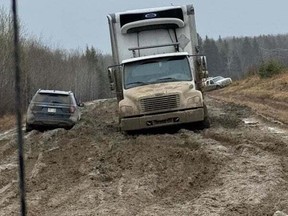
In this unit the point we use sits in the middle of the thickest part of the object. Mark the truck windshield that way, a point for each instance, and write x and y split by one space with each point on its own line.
167 69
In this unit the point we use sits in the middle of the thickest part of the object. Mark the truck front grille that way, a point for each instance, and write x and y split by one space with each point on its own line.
160 103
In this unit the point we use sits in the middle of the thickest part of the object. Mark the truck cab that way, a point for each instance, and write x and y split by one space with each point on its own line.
158 70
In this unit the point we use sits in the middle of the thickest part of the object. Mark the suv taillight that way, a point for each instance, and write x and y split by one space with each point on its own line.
34 107
72 109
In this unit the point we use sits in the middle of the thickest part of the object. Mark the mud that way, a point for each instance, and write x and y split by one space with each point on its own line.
239 166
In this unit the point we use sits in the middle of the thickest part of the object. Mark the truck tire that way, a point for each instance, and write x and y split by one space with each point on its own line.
206 122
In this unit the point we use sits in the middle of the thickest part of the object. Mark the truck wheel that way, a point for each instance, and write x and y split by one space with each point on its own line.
206 122
127 133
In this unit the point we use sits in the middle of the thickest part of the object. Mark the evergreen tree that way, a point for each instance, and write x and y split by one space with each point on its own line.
211 51
247 55
257 55
224 56
235 67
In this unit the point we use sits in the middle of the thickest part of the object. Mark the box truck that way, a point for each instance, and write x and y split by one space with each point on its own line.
158 70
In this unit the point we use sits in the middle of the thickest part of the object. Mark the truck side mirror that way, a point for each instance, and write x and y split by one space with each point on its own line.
111 78
203 65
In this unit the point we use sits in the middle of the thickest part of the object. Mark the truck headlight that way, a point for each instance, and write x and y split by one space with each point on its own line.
126 110
194 102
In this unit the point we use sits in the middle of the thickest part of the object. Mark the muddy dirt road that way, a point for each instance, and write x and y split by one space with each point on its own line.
237 167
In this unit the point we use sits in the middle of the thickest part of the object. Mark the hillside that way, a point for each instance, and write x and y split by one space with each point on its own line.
237 167
267 97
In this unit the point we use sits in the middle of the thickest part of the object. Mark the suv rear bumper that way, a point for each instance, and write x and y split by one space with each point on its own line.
164 119
51 122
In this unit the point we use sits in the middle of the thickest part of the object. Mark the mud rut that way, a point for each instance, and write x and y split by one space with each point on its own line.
233 168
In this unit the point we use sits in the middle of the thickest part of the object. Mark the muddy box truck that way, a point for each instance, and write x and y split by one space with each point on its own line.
158 70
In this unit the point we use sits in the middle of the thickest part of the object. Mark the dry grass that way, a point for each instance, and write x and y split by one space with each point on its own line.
7 122
273 88
268 97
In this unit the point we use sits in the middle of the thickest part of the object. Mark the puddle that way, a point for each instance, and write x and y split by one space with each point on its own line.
273 130
276 130
251 121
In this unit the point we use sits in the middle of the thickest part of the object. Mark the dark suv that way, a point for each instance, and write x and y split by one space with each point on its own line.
52 109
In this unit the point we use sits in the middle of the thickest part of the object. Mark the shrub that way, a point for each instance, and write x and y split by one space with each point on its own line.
252 71
270 68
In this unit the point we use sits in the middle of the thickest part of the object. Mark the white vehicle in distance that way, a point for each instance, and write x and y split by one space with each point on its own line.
217 82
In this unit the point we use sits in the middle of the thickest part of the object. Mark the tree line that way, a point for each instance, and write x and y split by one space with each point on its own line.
238 56
85 72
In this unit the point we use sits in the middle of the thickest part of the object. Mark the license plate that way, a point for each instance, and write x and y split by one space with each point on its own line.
52 110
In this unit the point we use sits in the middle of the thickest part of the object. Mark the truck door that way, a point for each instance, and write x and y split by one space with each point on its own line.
115 79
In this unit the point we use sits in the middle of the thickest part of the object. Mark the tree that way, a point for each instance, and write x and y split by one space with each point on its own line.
224 56
235 66
257 55
247 56
211 51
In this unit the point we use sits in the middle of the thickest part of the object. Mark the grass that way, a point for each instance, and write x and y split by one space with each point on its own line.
267 96
7 122
270 88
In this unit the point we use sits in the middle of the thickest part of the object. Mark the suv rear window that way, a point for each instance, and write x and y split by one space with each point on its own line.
52 98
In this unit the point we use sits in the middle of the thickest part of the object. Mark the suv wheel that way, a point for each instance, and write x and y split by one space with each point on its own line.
28 127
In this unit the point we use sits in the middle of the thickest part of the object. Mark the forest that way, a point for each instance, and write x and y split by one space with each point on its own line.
237 57
85 71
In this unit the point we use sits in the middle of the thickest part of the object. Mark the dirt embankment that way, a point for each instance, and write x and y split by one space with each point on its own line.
266 97
237 167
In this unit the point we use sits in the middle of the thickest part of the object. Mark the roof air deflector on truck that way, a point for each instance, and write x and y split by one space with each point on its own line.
150 24
150 19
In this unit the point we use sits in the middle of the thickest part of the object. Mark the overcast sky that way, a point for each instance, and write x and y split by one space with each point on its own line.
73 24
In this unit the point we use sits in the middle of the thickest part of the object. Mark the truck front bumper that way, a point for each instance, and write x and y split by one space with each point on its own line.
163 119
